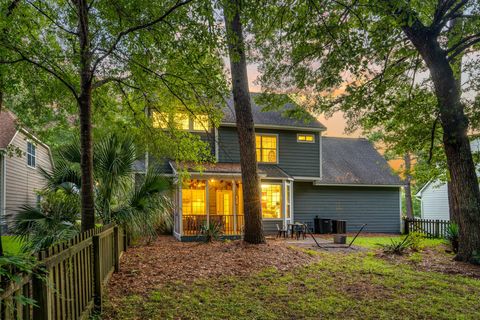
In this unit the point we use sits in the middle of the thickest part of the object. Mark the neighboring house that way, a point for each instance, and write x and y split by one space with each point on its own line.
303 175
21 157
434 195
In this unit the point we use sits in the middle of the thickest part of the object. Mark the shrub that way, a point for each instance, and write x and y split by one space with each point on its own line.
211 232
452 236
416 239
398 247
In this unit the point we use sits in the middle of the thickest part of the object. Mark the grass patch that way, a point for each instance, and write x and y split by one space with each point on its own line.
373 242
11 245
340 286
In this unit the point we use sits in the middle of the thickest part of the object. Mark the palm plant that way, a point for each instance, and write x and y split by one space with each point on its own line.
142 207
53 221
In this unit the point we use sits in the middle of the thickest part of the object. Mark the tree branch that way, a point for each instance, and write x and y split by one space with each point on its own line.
102 82
462 45
42 12
137 28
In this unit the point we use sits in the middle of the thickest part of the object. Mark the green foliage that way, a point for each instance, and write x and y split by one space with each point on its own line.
54 221
452 236
11 245
13 268
141 206
397 247
416 241
211 232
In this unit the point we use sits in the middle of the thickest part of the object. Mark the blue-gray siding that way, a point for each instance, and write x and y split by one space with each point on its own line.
297 159
379 207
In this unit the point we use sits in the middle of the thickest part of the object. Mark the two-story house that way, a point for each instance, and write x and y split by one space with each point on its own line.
303 175
21 157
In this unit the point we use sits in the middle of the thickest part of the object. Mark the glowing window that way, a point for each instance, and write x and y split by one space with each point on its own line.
194 198
181 121
160 120
201 123
266 148
271 201
306 138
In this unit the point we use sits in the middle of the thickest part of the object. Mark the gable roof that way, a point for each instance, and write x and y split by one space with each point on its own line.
354 161
272 118
8 128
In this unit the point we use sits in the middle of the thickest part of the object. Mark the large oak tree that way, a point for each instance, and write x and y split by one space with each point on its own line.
365 50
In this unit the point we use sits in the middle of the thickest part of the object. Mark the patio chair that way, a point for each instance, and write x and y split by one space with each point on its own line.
281 231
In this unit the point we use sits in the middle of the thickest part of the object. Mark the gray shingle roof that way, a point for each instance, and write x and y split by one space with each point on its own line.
354 161
226 168
272 117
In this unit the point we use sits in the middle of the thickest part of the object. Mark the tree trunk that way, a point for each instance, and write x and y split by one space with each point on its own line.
464 190
253 232
408 186
85 110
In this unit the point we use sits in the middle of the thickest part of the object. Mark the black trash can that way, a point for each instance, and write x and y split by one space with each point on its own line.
325 226
316 224
339 226
334 226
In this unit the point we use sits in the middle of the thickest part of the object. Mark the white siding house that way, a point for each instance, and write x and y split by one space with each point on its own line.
22 156
434 195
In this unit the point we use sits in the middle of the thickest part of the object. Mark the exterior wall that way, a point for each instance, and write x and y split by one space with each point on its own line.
434 202
22 181
297 159
379 207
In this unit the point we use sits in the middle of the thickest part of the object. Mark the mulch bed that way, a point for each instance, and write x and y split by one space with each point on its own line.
147 267
436 259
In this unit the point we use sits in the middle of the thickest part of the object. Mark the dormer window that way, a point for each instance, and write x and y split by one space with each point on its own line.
31 155
266 147
306 138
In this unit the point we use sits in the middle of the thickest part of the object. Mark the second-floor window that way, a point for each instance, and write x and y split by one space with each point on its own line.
181 120
31 155
267 150
305 138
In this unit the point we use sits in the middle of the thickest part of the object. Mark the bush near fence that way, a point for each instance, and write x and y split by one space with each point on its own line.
74 274
429 228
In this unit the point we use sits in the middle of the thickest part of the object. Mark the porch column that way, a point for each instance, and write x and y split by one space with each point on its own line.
234 191
284 202
207 202
179 208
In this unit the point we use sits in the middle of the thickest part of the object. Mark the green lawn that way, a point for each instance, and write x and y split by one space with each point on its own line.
339 286
373 242
11 245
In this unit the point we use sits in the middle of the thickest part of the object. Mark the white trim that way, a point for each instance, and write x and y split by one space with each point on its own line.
277 155
234 201
291 202
308 179
319 183
282 214
418 195
306 134
284 202
320 151
3 186
400 207
272 126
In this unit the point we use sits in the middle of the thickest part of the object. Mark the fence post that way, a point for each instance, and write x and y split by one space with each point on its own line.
407 230
116 250
41 293
437 228
97 276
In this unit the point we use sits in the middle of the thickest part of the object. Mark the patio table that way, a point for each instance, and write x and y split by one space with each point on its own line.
291 227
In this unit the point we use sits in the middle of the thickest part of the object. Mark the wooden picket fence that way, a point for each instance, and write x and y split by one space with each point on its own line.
427 227
74 274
